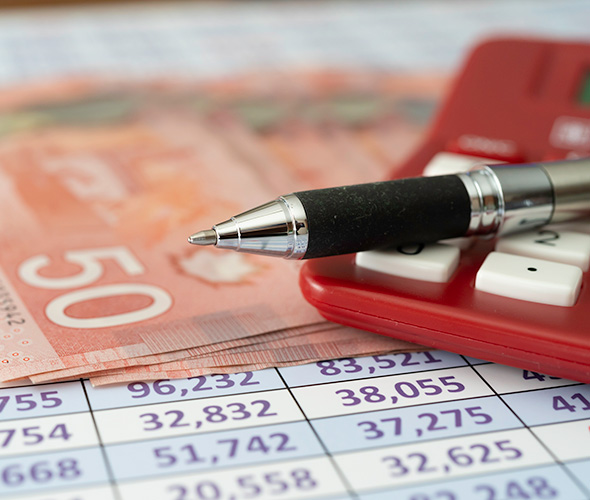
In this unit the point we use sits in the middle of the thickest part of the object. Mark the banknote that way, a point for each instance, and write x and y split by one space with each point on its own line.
101 182
194 352
259 360
116 379
339 341
301 344
113 253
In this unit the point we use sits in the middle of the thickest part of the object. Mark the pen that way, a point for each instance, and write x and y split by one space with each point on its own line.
496 199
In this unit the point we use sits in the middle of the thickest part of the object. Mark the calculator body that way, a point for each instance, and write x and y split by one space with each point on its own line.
515 100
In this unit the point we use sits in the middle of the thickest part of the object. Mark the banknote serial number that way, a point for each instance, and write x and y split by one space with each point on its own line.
9 311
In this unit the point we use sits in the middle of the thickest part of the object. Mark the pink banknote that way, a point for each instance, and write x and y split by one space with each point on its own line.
101 183
198 351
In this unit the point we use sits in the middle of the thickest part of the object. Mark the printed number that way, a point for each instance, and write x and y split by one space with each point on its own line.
219 381
548 237
25 402
213 414
223 381
385 362
369 393
382 362
31 436
426 387
374 429
276 442
152 420
142 389
9 308
478 417
269 485
459 456
561 403
483 453
91 271
167 456
40 472
534 487
528 375
88 260
349 365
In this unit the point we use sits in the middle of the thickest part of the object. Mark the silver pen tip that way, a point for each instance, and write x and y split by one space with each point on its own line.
206 237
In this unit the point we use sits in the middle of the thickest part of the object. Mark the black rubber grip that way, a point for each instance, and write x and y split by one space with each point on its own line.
385 214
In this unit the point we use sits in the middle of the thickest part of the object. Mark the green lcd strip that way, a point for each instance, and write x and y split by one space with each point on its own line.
584 94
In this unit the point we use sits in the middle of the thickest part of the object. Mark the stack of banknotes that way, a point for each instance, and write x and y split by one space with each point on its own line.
102 182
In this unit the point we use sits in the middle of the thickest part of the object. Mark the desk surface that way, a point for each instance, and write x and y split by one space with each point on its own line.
205 39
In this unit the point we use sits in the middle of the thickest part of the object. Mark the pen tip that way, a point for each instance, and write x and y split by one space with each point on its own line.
206 237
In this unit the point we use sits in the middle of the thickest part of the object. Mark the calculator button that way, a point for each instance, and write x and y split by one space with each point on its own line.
463 243
558 246
581 226
434 262
527 278
445 163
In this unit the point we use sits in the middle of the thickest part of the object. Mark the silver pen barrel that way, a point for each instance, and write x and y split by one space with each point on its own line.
571 185
277 228
511 198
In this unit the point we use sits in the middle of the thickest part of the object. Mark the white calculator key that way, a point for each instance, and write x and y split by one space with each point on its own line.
558 246
582 226
434 262
462 243
527 278
445 163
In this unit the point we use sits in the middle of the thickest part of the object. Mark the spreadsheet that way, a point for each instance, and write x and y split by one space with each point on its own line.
410 426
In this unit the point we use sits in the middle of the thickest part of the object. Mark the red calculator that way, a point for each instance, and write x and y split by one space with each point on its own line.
516 100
